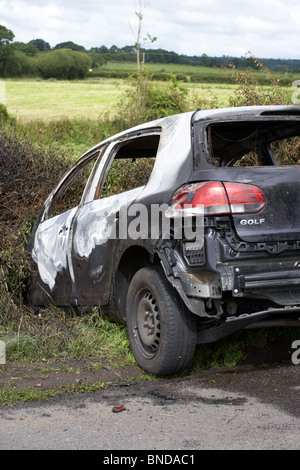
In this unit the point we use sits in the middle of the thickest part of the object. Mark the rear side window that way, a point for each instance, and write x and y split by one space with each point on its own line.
127 173
131 164
287 151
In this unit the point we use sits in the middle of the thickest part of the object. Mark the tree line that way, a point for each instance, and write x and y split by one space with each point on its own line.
68 60
36 58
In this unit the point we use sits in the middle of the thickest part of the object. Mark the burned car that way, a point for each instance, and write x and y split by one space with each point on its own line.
202 244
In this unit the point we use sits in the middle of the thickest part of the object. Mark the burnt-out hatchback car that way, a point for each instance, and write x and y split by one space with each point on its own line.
202 238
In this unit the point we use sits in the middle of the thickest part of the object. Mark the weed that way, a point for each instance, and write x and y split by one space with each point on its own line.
159 100
13 395
250 92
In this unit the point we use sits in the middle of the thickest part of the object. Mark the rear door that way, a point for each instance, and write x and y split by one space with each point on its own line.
119 178
51 248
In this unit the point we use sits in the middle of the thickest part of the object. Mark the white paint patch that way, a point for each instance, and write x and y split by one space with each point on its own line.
51 246
96 221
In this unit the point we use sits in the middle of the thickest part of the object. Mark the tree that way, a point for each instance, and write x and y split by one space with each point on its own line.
63 64
100 50
97 59
114 50
138 44
69 45
6 36
28 49
18 64
41 45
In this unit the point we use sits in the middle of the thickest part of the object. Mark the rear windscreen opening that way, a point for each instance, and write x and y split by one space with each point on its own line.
254 143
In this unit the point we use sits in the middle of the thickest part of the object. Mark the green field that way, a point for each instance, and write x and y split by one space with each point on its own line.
36 99
168 68
52 99
213 72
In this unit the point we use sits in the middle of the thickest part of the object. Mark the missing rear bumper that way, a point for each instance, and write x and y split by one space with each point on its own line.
278 282
289 315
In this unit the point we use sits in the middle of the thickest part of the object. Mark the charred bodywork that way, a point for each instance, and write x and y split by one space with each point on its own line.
240 165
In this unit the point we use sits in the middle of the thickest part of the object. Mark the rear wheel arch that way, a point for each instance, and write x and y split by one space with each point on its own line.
131 261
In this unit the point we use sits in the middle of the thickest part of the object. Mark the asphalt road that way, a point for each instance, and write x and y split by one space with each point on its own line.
249 407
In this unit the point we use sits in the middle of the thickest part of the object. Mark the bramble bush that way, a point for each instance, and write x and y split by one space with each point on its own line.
28 172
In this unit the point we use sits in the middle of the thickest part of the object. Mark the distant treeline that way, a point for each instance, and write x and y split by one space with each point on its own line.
161 56
68 60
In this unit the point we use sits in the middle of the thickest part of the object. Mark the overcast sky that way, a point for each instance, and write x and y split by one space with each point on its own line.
267 28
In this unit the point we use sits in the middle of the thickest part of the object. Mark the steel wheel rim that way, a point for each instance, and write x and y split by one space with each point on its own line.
147 324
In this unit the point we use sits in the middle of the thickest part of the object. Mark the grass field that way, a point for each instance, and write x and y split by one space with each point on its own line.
215 72
34 99
168 68
52 99
49 100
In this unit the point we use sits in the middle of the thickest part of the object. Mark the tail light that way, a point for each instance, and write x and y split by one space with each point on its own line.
214 198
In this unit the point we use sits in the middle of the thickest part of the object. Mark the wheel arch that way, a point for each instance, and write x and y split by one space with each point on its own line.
133 259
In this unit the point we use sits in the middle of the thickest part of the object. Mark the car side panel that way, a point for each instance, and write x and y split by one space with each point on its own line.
52 281
94 241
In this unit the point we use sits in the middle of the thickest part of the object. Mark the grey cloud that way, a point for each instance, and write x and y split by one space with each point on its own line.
267 28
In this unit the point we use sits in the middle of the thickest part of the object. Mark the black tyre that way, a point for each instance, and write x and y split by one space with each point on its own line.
162 332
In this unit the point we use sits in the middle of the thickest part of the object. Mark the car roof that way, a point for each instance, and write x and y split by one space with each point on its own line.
213 115
246 112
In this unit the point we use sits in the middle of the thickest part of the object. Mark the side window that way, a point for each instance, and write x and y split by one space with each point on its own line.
70 193
287 151
132 165
128 173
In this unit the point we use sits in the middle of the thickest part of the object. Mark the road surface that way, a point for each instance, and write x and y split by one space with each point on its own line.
248 407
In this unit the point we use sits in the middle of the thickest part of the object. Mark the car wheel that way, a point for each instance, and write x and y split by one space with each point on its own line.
162 331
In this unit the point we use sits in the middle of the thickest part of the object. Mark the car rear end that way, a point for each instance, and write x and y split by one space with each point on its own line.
246 185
